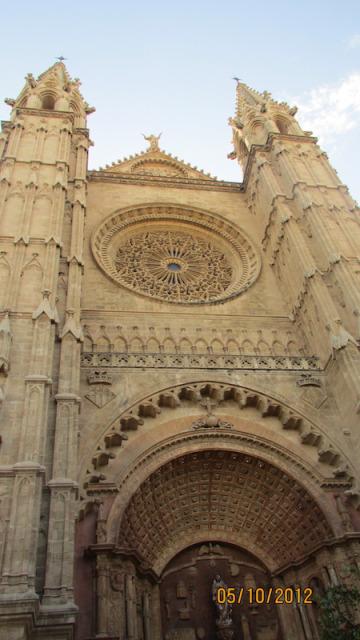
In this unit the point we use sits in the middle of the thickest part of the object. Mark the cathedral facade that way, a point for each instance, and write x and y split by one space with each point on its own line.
179 381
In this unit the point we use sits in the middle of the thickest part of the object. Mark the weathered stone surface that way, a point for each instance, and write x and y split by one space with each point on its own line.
179 370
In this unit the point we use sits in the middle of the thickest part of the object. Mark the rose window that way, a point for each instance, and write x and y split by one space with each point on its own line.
176 255
173 265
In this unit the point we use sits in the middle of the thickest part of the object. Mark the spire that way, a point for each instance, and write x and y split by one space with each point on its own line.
257 115
53 90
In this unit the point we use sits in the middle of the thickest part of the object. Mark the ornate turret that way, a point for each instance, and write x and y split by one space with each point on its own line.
54 90
258 115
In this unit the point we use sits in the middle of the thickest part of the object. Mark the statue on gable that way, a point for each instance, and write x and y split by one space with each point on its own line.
153 142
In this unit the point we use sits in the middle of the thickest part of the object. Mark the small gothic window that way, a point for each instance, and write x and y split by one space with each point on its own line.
48 102
282 125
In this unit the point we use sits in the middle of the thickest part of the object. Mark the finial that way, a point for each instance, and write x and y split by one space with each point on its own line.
153 140
60 58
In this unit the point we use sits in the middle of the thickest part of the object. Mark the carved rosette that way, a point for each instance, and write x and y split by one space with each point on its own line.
177 255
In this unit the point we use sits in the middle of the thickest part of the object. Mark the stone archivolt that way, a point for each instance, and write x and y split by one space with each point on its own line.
111 443
224 491
175 254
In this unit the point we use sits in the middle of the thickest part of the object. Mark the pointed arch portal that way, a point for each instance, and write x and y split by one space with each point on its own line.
196 496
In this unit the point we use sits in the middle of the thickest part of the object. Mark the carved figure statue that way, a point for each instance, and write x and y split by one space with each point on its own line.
224 611
235 123
154 141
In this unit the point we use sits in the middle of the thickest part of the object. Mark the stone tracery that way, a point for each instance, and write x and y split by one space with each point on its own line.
173 265
176 254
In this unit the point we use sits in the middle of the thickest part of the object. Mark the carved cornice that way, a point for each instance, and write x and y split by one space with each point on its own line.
201 361
127 553
180 183
45 112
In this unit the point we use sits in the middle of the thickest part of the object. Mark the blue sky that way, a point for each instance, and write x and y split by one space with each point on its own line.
165 66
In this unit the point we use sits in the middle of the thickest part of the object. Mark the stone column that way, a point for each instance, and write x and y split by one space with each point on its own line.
131 613
147 615
156 632
304 617
288 616
102 573
59 570
20 555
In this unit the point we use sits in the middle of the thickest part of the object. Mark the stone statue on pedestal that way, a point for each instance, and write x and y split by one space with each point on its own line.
224 623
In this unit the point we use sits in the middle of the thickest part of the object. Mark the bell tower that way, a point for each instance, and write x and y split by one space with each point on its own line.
310 230
43 169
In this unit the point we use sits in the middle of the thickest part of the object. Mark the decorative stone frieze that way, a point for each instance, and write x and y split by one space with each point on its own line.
201 361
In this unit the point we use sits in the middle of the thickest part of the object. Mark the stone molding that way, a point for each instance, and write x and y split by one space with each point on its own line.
172 182
200 361
111 443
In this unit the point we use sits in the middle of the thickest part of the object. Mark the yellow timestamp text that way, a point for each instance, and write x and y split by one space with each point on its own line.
272 595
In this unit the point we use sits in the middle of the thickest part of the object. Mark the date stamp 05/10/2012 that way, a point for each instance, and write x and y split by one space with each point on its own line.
257 596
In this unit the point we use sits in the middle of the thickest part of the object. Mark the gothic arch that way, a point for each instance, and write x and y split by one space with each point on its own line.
239 397
201 346
232 346
163 506
153 345
185 346
217 346
120 344
13 212
169 345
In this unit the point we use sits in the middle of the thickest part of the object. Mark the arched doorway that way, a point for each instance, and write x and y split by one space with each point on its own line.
215 513
184 481
189 584
226 496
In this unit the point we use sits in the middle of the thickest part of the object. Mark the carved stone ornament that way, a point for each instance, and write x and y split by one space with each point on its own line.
211 422
99 394
307 380
179 255
99 377
117 580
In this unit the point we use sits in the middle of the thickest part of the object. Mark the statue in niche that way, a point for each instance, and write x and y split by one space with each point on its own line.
192 592
184 612
224 611
343 513
181 591
167 603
